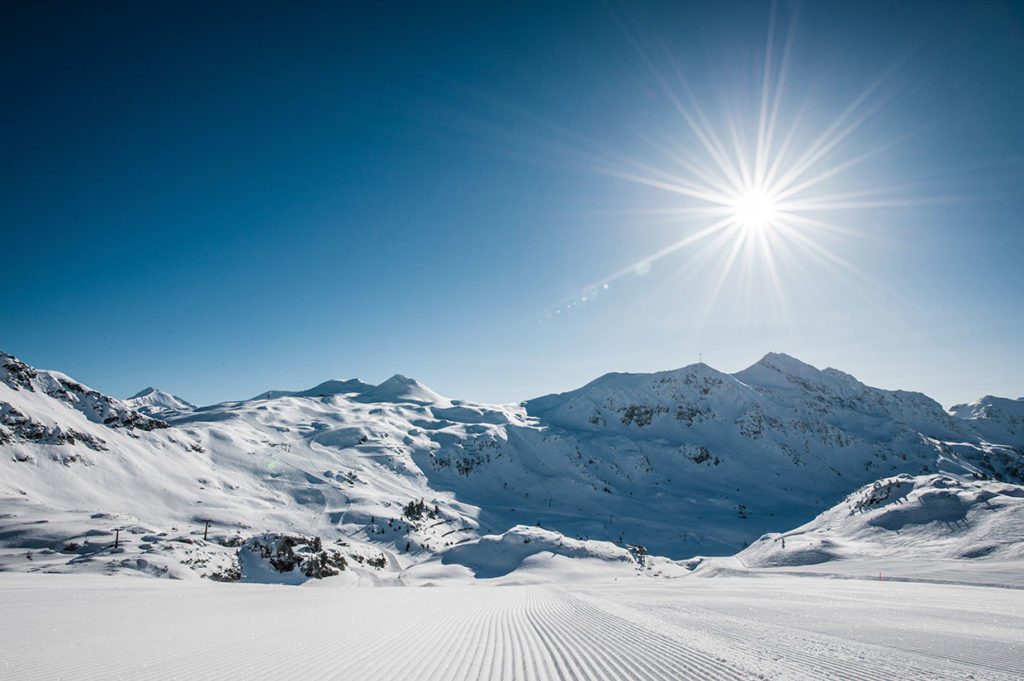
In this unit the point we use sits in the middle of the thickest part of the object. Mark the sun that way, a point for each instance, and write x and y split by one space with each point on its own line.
759 185
755 210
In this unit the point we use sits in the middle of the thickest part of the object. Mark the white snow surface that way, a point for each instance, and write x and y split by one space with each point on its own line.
781 627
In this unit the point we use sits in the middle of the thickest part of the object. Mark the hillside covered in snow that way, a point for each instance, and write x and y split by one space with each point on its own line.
931 527
373 482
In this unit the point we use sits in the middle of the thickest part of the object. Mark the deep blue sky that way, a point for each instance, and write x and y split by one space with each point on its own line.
221 200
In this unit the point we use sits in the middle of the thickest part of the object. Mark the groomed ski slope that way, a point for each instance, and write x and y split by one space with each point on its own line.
778 627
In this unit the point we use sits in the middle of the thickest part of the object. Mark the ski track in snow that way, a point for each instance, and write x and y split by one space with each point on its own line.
86 627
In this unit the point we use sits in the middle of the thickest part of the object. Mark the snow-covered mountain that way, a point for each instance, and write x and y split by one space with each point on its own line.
159 404
49 408
384 478
398 388
710 458
997 419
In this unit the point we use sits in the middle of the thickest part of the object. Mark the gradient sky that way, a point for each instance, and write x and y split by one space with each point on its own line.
222 200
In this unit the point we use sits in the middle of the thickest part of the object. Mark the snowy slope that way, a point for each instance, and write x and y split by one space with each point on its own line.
685 462
52 401
934 517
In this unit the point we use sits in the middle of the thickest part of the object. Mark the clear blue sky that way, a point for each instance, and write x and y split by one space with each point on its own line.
221 200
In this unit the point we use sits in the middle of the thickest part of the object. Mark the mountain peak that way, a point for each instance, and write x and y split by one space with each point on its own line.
155 402
778 369
780 361
149 390
399 379
401 388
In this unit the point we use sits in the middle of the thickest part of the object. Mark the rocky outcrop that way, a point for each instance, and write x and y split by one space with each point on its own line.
96 406
287 553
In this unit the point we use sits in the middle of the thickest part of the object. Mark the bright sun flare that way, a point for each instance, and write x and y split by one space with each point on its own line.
755 210
764 185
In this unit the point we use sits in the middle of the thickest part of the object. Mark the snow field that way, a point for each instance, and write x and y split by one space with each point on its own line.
88 627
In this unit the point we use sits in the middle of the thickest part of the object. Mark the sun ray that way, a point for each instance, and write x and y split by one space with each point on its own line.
827 255
761 149
833 171
675 187
723 274
705 254
859 201
657 255
783 152
768 256
741 153
703 129
795 220
653 172
698 170
836 133
776 106
697 122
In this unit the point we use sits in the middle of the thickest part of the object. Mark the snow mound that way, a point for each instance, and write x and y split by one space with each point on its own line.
499 555
934 517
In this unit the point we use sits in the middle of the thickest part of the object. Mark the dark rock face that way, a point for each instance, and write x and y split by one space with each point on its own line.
285 553
16 373
17 427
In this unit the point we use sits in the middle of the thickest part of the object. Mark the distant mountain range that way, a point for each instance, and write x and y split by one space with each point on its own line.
683 462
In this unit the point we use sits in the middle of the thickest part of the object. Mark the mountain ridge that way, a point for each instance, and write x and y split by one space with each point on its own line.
685 462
